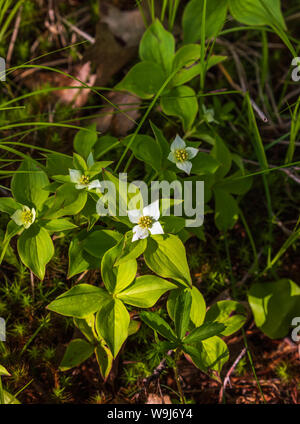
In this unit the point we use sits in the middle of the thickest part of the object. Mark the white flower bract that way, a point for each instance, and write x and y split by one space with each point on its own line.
24 217
146 220
82 181
181 155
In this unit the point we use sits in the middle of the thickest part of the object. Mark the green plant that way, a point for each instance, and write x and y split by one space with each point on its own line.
5 397
59 201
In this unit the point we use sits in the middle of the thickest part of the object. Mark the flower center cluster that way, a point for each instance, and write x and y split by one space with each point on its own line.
145 222
84 180
181 155
27 217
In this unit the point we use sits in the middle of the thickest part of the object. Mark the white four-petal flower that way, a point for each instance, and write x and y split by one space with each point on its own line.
146 220
181 155
24 216
82 181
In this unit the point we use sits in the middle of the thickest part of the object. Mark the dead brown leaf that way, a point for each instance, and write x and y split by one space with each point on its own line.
127 26
155 399
112 119
78 97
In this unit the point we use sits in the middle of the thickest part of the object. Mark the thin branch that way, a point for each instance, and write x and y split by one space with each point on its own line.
13 37
227 378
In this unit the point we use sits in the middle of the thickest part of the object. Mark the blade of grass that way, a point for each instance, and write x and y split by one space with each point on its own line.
202 43
150 107
252 365
243 331
251 239
288 243
9 18
295 128
48 68
261 156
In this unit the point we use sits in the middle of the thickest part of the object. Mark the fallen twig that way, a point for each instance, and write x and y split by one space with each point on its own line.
227 378
13 37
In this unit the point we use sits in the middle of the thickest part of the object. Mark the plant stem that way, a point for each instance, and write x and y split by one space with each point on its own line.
1 393
138 2
177 356
41 326
143 120
233 281
163 10
202 52
252 365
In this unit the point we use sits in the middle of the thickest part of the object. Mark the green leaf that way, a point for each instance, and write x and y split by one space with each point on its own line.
207 330
12 229
104 359
134 327
209 355
8 253
120 201
157 323
84 140
9 205
57 225
126 273
86 326
226 210
144 80
90 213
98 242
182 312
228 312
80 301
172 224
145 291
204 163
158 46
60 179
222 154
112 323
35 248
214 60
104 144
274 305
184 63
10 399
182 103
146 149
165 255
186 56
235 186
67 201
98 166
161 140
257 12
3 371
198 308
79 259
58 164
129 250
77 352
116 278
186 74
27 186
79 163
216 11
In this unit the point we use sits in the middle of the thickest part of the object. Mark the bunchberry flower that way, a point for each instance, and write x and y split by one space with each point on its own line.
146 220
24 216
181 155
83 181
